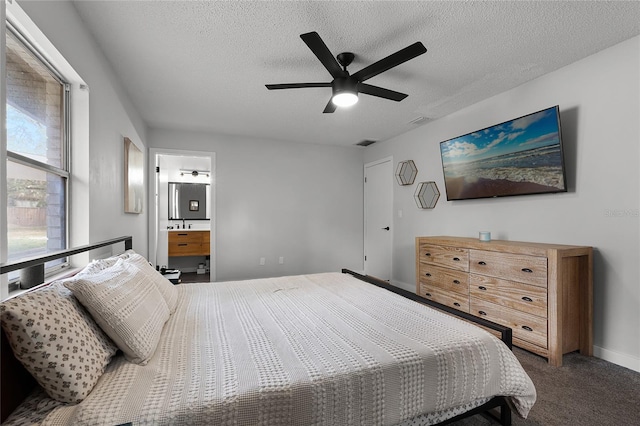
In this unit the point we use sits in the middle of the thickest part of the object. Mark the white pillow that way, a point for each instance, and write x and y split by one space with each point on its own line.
97 265
167 289
126 305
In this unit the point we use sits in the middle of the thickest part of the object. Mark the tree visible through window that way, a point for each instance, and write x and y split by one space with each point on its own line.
37 170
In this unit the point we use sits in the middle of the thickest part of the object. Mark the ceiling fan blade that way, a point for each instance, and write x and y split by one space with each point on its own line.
381 92
296 85
331 107
395 59
323 53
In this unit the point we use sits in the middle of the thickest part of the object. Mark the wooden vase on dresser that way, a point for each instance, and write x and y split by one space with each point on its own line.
544 292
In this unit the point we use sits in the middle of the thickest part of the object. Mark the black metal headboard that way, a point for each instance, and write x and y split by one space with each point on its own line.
16 382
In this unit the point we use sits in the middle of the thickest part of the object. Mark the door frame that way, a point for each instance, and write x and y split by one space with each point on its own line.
364 210
153 205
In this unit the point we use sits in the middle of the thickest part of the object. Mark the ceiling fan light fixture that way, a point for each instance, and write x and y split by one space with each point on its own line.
345 99
345 92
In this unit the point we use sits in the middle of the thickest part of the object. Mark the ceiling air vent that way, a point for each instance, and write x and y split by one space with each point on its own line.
366 142
418 121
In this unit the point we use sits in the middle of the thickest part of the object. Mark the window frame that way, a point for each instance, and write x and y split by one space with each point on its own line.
64 171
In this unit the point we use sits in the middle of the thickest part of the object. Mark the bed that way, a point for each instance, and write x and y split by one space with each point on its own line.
326 349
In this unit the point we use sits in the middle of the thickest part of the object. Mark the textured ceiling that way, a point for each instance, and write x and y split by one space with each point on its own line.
202 65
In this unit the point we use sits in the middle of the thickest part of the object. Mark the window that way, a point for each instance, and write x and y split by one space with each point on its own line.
37 152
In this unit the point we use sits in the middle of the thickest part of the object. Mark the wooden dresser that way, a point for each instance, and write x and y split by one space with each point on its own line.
544 292
189 243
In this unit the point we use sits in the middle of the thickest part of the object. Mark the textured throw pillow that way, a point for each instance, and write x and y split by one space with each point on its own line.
98 265
126 305
57 341
167 289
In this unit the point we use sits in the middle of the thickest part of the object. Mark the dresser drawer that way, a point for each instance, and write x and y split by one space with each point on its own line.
522 297
185 249
513 267
527 327
448 257
453 300
446 279
185 237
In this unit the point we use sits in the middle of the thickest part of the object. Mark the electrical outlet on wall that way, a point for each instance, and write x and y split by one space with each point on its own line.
262 261
281 260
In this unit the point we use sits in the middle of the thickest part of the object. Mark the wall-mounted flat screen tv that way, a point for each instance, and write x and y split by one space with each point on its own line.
518 157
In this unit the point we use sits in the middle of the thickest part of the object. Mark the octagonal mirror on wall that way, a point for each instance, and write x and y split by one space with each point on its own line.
406 172
427 195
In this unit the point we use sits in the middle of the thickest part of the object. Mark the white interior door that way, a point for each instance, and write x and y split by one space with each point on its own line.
378 207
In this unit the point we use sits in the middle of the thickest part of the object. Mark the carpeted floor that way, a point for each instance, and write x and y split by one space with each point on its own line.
585 391
192 277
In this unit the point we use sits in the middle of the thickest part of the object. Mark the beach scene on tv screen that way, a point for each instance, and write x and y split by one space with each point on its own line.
521 156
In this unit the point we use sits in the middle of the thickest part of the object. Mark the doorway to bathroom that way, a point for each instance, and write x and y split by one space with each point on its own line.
182 223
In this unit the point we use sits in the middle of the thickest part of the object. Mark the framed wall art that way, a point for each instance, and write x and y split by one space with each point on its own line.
133 178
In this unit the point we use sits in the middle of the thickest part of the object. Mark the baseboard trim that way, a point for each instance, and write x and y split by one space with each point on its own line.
623 360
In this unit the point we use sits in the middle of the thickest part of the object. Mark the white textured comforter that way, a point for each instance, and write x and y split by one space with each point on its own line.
306 350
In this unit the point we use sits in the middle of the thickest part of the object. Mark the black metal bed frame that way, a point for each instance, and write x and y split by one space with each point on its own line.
17 383
504 417
35 265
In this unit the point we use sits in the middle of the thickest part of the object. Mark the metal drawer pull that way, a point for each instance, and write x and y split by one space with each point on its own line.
428 294
456 282
527 299
427 254
183 235
182 245
482 263
527 270
482 312
428 274
526 327
456 304
483 288
457 259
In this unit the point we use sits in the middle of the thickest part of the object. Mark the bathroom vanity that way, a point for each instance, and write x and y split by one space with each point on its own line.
189 243
188 228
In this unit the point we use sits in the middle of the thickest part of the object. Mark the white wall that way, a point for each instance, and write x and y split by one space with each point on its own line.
98 193
599 104
299 201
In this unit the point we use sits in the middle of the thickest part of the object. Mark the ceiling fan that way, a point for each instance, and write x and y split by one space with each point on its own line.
345 86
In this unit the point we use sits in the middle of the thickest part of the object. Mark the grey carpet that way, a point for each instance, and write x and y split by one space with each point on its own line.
584 391
192 277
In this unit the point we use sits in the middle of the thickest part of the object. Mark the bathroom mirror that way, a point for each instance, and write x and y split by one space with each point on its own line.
188 201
